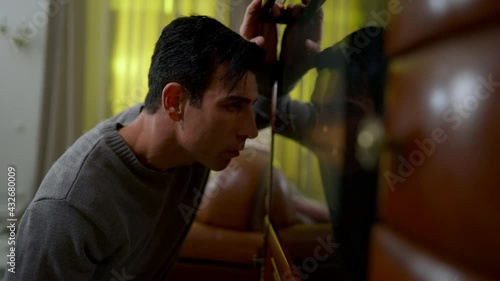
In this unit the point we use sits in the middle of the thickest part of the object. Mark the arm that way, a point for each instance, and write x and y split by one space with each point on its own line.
293 118
300 46
265 35
55 242
299 50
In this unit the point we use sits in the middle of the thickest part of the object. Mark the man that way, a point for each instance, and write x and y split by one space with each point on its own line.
118 203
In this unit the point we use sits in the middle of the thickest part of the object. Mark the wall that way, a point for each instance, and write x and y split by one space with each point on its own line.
21 82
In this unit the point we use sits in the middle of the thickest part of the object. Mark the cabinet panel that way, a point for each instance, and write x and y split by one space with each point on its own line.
439 179
396 258
413 23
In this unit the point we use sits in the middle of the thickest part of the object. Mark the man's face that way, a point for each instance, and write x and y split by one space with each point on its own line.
216 132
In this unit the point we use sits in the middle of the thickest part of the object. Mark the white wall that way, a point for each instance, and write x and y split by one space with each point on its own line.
21 77
21 82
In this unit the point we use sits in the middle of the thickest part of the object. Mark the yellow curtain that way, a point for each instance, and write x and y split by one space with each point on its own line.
300 166
121 35
138 25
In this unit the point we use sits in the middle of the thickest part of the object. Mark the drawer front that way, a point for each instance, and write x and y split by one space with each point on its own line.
396 258
413 23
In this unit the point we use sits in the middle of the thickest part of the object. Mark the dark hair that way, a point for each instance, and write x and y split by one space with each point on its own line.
190 50
360 58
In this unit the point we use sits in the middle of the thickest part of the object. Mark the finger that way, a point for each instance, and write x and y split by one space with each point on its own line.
280 4
251 18
297 10
276 11
319 15
253 10
317 26
268 4
311 11
259 40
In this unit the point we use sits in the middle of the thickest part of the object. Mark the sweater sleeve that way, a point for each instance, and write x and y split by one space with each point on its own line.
55 242
294 119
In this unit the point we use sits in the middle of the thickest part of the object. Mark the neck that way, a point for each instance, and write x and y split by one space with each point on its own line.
155 144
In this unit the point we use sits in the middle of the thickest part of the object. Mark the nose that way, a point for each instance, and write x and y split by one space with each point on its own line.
249 127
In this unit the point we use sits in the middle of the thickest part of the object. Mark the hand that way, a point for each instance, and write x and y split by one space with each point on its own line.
301 44
264 34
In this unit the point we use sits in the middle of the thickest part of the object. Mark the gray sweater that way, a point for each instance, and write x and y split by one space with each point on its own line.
99 214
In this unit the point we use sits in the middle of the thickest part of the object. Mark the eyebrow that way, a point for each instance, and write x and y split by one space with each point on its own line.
231 98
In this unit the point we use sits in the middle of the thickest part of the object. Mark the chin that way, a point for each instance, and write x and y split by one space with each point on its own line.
218 168
219 165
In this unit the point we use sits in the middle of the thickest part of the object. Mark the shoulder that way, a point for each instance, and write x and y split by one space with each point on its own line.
58 220
56 228
51 212
128 115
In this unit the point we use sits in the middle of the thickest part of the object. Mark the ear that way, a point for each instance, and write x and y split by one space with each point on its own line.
172 99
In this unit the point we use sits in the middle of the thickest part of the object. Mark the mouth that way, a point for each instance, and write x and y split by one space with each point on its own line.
241 146
233 153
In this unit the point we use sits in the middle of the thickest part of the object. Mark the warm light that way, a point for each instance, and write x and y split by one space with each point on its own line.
430 269
462 86
438 100
442 6
365 139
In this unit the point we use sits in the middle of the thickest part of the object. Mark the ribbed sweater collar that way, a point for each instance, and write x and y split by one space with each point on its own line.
121 149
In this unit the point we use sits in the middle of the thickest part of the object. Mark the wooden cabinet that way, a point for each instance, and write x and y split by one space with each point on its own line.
438 188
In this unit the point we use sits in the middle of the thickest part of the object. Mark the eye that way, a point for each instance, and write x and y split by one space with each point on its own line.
236 106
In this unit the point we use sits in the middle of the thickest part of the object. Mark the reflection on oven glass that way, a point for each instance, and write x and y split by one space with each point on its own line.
329 238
